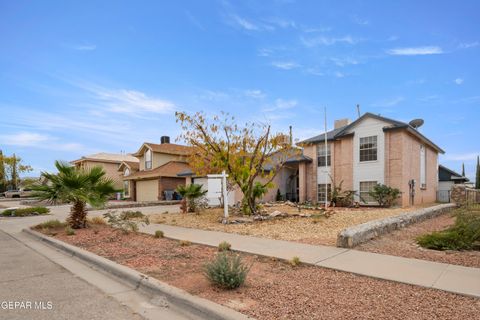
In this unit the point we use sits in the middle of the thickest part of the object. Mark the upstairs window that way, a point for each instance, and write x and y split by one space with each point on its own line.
423 165
127 172
368 149
321 153
148 159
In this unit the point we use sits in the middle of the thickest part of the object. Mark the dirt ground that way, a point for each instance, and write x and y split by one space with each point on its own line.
402 243
274 289
313 230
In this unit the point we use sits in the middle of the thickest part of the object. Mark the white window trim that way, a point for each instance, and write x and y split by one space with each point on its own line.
148 151
360 149
360 190
126 189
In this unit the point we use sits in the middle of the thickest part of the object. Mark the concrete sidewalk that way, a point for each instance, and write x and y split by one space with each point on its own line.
424 273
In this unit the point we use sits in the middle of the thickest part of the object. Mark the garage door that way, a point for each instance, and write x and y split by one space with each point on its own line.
147 190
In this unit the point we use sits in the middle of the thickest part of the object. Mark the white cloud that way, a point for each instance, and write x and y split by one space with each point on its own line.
469 45
341 62
285 65
127 101
339 74
244 23
37 140
415 51
458 81
263 52
281 104
282 23
389 102
256 94
328 41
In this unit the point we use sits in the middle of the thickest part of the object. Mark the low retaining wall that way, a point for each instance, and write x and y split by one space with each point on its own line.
350 237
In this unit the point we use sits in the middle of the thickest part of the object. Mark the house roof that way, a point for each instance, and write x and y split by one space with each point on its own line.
169 148
169 169
394 124
107 157
446 174
134 166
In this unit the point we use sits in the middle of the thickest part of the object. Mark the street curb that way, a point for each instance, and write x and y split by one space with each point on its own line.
178 297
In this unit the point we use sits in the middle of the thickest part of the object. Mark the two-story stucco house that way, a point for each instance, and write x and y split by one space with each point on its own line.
110 162
157 170
370 150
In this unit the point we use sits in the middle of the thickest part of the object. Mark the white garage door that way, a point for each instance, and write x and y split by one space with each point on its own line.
147 190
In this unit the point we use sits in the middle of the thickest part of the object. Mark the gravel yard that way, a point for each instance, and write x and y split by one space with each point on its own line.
314 230
274 289
402 243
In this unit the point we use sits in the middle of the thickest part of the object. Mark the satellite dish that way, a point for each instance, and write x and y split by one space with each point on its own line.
416 123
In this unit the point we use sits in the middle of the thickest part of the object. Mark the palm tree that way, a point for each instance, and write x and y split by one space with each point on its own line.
191 193
76 186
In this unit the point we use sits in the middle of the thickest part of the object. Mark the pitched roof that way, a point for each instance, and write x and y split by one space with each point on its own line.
446 174
394 124
107 157
169 169
169 148
132 165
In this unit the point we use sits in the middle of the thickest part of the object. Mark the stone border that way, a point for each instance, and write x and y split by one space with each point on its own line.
353 236
194 305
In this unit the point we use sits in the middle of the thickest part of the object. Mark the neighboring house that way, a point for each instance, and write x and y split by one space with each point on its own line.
156 176
110 162
447 178
373 149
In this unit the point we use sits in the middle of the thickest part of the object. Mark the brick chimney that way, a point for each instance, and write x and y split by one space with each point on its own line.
341 123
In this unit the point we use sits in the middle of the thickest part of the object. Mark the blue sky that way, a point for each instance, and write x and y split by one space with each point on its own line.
78 77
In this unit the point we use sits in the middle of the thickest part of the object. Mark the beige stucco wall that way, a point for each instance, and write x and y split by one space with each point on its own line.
343 163
159 159
402 164
147 190
111 170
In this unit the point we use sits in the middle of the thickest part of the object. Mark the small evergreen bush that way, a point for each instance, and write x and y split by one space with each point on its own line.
463 235
129 214
224 246
69 231
184 243
226 271
97 220
384 195
50 224
123 222
295 261
23 212
159 234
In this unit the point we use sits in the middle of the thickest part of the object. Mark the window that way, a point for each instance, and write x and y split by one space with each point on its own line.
321 155
127 172
126 189
321 192
365 188
423 165
368 148
148 159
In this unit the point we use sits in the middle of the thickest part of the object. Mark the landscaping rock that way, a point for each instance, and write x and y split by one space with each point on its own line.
277 213
350 237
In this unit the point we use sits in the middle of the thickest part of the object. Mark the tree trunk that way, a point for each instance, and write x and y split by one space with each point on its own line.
248 202
78 215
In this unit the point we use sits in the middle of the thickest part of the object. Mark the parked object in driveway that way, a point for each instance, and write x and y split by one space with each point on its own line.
22 193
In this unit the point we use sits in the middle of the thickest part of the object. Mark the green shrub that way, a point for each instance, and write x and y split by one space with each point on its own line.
463 235
295 261
129 214
123 222
51 224
23 212
184 243
159 234
69 231
224 246
97 221
384 195
226 271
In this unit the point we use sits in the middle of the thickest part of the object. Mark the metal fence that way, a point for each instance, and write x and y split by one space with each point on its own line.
443 196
